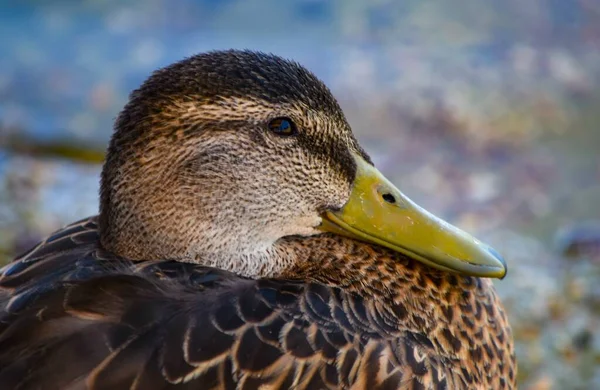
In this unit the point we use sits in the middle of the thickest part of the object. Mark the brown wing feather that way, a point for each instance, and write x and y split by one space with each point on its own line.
73 316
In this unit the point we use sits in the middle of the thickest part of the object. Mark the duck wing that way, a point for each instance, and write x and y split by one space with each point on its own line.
74 316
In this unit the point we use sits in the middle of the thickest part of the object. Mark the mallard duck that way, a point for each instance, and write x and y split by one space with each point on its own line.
245 240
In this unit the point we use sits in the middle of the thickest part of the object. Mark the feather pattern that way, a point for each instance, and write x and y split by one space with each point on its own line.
166 324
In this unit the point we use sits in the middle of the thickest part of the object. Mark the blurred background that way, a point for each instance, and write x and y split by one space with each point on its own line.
484 112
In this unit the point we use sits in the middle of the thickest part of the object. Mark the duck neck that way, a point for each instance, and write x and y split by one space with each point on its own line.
453 317
379 273
356 266
426 300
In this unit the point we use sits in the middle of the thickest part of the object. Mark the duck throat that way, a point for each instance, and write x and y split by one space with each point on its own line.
457 319
256 263
383 275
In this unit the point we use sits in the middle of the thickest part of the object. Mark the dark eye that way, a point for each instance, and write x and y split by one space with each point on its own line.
283 126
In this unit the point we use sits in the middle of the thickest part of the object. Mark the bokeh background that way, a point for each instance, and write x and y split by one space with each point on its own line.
485 112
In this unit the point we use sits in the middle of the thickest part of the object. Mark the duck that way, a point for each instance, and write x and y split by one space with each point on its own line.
246 240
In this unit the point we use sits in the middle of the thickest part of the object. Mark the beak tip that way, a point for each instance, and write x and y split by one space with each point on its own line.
499 257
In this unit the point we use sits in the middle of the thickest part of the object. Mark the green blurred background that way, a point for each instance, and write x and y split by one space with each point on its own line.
485 112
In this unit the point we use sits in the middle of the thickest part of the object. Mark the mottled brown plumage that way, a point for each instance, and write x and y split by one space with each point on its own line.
205 269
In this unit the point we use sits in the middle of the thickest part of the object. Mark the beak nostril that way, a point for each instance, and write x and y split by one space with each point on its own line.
389 198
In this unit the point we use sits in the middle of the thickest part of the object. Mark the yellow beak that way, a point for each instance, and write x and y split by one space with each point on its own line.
377 212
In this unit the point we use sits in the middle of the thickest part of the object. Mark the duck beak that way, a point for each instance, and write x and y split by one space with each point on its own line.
377 212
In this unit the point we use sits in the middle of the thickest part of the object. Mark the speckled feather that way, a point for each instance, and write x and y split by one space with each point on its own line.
205 268
86 318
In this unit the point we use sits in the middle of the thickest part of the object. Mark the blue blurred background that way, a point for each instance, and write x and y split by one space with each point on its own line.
485 112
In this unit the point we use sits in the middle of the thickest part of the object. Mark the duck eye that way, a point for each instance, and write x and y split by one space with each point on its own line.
283 126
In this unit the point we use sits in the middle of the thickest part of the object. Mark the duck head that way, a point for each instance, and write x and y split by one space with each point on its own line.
219 157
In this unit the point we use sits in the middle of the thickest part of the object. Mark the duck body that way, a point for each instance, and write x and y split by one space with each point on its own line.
245 240
76 316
